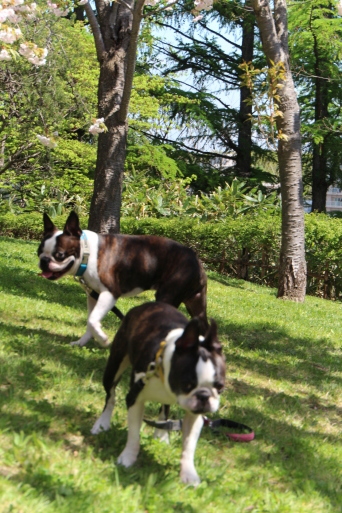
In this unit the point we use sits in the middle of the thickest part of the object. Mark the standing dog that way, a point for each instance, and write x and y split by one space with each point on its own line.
171 363
122 265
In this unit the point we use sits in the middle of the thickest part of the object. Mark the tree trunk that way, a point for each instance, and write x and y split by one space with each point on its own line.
292 267
116 30
244 151
319 177
106 200
320 181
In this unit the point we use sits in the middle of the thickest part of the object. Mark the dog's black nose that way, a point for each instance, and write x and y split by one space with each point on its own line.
44 263
203 395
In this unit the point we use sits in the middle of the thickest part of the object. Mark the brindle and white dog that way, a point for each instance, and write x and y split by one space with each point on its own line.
122 265
171 364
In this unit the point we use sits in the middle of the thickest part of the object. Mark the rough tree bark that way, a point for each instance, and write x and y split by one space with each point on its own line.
115 28
274 37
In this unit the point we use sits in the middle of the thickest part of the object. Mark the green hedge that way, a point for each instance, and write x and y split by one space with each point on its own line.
246 247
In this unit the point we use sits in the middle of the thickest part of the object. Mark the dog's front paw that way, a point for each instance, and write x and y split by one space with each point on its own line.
103 342
98 334
82 341
190 476
77 343
127 458
99 426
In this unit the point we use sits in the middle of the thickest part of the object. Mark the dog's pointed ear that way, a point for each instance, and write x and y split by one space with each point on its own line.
211 341
49 227
72 225
189 338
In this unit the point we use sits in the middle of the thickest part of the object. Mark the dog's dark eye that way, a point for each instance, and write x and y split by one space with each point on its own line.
219 386
59 256
187 387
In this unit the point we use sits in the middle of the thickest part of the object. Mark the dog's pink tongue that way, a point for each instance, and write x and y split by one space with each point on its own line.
46 274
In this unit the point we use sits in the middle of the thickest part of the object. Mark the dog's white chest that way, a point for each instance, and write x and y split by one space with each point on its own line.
155 391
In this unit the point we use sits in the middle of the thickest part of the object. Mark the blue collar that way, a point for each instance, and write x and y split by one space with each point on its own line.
83 267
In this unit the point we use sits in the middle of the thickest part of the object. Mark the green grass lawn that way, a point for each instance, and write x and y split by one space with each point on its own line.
284 378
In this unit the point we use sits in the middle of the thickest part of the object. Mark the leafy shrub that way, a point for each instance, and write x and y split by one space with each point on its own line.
142 197
323 241
244 247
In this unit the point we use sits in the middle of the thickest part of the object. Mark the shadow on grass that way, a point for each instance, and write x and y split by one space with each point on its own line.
236 283
289 449
64 292
37 347
262 348
272 352
292 452
17 281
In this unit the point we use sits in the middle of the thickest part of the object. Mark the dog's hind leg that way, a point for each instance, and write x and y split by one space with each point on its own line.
131 451
111 378
103 422
197 307
162 434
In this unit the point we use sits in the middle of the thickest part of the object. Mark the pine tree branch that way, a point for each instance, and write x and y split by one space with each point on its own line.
206 44
212 31
215 98
184 146
185 63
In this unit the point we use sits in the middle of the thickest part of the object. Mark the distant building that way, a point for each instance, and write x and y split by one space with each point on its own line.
307 205
334 199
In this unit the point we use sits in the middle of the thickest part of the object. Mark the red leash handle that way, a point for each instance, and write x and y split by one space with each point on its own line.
236 437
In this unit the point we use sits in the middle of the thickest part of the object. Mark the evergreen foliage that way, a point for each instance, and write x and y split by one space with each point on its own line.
316 52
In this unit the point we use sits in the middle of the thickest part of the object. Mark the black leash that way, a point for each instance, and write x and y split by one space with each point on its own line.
246 433
167 425
115 310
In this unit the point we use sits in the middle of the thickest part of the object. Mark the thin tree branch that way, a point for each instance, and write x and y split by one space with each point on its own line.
16 157
131 60
203 25
205 44
129 7
205 92
190 148
229 80
99 44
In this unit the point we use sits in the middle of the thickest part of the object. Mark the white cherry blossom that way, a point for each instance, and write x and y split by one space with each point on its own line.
5 55
98 127
47 141
9 34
